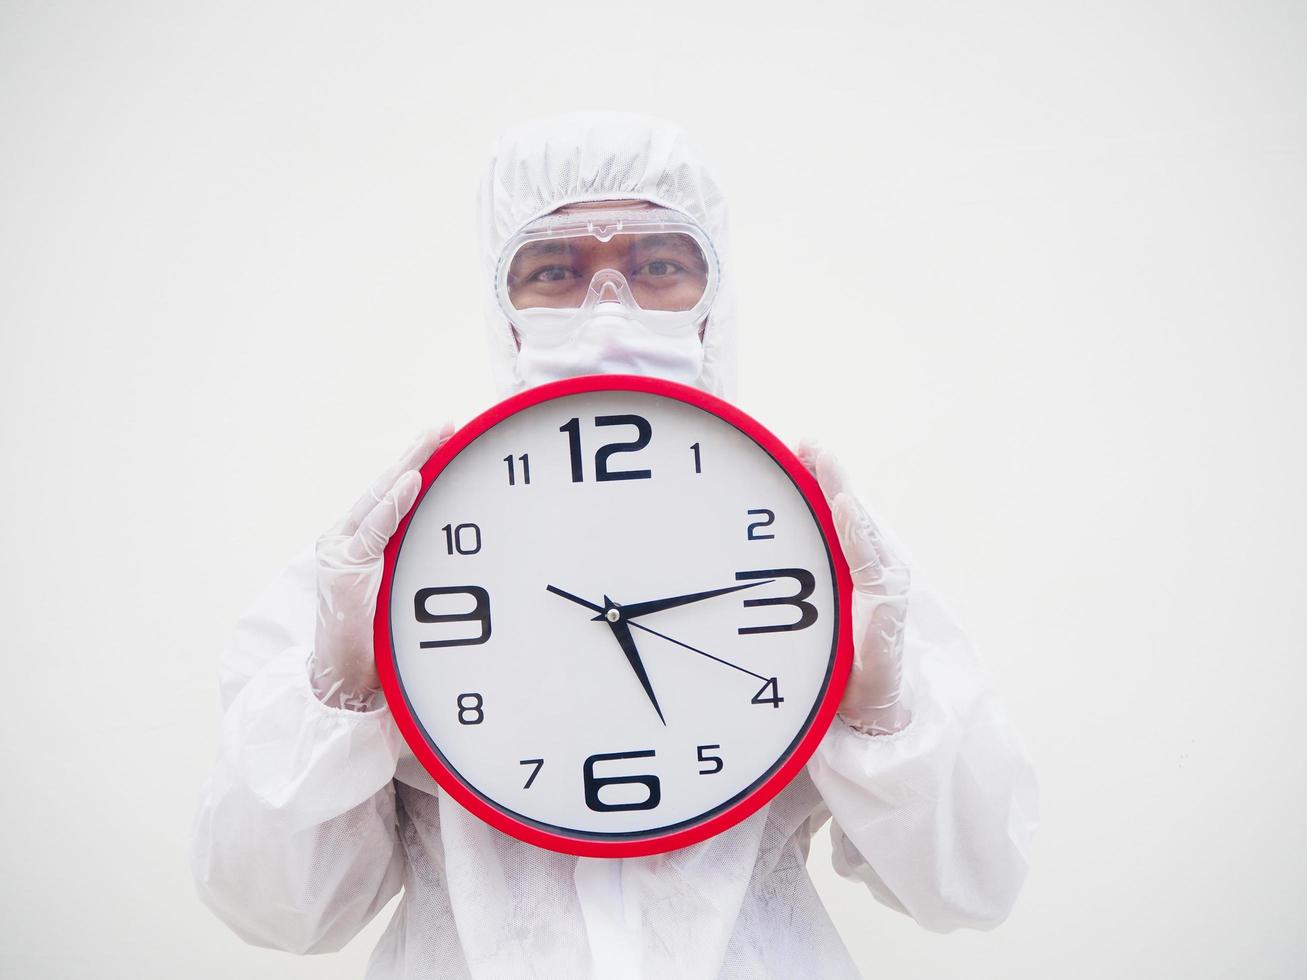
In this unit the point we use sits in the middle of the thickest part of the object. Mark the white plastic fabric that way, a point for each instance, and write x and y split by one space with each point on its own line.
314 816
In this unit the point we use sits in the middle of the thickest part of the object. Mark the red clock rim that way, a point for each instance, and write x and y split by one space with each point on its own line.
588 847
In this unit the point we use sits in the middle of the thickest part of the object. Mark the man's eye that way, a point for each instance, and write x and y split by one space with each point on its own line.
553 273
659 268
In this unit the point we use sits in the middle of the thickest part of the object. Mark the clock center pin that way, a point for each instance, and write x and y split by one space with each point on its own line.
612 615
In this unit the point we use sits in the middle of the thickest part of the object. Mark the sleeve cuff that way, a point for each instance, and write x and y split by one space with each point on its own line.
330 692
857 729
299 756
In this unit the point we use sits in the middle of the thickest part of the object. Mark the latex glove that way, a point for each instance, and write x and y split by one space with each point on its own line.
873 699
342 668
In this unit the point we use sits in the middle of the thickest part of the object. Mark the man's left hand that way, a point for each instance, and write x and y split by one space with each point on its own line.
873 699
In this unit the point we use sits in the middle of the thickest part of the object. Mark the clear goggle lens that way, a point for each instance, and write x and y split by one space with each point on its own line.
663 271
652 261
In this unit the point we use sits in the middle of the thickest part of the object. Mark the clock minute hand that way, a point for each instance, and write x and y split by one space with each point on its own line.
611 614
627 642
632 609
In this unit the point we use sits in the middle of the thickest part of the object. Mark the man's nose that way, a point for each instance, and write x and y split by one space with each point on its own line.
612 255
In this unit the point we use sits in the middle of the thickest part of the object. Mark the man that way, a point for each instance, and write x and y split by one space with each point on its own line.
316 814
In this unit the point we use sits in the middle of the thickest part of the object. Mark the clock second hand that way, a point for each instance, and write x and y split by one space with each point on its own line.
669 639
600 609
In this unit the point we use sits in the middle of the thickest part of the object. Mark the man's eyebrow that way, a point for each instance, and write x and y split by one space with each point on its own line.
543 248
667 238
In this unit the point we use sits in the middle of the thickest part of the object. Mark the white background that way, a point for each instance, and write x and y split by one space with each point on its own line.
1036 270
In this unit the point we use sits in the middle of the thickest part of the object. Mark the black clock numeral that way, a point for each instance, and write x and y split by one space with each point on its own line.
573 430
526 469
807 611
469 709
480 613
774 700
709 758
644 433
698 468
593 783
455 539
771 519
538 763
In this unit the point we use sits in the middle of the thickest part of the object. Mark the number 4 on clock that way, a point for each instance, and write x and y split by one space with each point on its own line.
775 699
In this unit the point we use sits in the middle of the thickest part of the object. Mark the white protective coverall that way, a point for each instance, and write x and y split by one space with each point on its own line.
314 817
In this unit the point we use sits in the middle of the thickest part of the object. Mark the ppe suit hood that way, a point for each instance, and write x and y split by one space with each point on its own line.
540 166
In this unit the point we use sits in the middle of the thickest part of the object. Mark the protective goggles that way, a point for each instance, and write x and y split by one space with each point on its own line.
655 262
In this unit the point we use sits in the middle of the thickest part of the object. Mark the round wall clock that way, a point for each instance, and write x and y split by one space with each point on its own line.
616 622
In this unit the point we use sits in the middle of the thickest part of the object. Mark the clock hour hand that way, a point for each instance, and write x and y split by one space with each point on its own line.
632 609
627 642
577 599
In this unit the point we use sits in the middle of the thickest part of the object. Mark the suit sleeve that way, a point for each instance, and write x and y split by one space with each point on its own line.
937 819
294 844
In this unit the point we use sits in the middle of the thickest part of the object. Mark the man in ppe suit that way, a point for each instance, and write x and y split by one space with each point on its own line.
316 814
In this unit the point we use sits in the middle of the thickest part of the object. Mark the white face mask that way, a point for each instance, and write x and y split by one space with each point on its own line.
613 340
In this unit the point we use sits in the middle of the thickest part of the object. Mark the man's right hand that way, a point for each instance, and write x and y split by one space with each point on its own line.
349 561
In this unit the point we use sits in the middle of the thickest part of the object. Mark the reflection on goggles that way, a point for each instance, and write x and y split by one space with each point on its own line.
666 271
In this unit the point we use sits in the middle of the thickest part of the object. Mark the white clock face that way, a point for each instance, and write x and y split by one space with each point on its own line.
552 635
